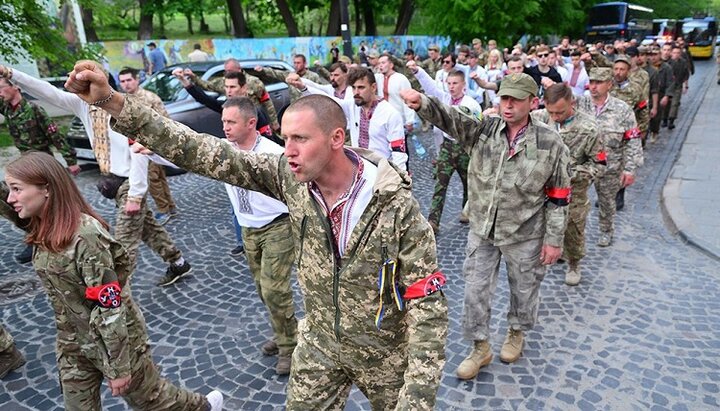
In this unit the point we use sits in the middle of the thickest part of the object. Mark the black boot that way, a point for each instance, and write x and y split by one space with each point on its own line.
25 256
664 123
620 199
672 124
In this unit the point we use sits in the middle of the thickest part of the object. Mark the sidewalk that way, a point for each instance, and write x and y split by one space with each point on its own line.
691 196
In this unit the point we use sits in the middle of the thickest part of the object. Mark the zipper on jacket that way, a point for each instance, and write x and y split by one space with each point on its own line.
303 225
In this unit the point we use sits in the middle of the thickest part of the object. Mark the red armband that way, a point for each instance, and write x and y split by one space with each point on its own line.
131 141
428 285
601 158
632 133
265 130
641 105
105 295
558 195
265 97
398 145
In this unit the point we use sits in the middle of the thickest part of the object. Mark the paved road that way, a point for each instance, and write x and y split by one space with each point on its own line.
642 331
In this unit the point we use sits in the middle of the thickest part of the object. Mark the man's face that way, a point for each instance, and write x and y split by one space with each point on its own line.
477 46
565 43
234 89
543 58
515 67
7 91
599 89
364 92
236 127
462 57
641 59
515 111
409 57
434 54
384 65
560 110
666 51
675 54
655 58
373 61
456 85
338 78
232 67
308 148
680 41
447 63
129 84
575 61
299 64
552 60
620 71
473 61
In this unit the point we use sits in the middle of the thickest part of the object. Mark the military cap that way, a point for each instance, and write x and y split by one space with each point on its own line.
476 41
600 74
622 58
632 51
434 47
653 50
344 59
644 49
373 54
518 85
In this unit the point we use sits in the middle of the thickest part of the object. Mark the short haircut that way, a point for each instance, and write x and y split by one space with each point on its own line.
514 59
541 48
328 114
300 56
464 49
244 105
557 92
456 73
339 65
451 55
129 70
237 75
359 73
575 53
197 46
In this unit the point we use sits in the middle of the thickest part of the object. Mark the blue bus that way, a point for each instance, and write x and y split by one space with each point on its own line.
700 34
618 21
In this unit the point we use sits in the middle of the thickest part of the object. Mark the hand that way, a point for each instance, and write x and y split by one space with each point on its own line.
74 170
317 63
138 148
490 111
664 101
4 71
412 66
178 72
189 74
653 112
627 179
131 207
409 127
258 68
119 386
88 81
473 75
549 254
547 82
586 57
412 98
275 128
294 80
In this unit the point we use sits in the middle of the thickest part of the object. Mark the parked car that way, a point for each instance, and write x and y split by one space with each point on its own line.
182 107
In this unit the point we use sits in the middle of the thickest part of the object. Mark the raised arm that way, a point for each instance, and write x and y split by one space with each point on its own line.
42 90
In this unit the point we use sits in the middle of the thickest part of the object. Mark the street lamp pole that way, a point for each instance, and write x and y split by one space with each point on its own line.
345 28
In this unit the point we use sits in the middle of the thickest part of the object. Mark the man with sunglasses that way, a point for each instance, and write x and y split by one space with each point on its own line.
544 75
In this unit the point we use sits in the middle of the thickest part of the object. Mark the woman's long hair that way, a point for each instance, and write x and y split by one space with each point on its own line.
55 226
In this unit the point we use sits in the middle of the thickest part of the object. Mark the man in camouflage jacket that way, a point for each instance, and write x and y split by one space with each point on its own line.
390 342
300 65
518 190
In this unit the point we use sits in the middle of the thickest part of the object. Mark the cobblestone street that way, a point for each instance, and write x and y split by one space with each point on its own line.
641 331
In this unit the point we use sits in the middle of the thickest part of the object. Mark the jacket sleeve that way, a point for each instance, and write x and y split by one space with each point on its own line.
428 84
202 97
215 86
464 127
42 90
200 153
94 262
632 149
138 176
556 206
595 155
426 318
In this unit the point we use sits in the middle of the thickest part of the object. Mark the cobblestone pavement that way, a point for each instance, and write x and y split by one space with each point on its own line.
642 331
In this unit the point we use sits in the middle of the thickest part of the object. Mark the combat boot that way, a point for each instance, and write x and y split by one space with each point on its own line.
512 347
463 218
480 356
664 123
269 348
605 239
572 275
653 137
671 124
283 364
10 359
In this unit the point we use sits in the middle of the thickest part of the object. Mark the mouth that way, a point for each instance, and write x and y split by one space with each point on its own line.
294 167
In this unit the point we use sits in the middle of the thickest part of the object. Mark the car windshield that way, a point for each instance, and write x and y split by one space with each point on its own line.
165 85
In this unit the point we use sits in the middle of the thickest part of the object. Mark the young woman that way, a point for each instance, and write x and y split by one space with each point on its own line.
100 331
495 69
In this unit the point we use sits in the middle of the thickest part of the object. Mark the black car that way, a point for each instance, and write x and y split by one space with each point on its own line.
182 107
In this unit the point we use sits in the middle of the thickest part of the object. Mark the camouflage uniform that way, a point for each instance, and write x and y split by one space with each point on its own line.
398 365
401 68
32 129
255 91
665 88
281 75
681 74
94 341
509 208
621 139
6 340
587 160
641 79
157 180
653 89
432 66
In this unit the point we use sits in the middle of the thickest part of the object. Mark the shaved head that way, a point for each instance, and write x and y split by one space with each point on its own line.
328 114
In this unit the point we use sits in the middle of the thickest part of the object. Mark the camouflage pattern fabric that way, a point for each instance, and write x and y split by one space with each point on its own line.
6 340
281 75
582 137
400 67
270 255
432 66
32 129
340 293
131 230
641 79
255 91
451 158
506 194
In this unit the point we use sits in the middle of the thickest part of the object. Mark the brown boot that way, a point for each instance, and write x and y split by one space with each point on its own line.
10 359
512 347
572 275
283 364
269 348
480 356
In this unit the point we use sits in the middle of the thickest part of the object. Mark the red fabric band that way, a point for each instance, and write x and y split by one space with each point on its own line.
641 105
632 133
265 97
106 295
428 285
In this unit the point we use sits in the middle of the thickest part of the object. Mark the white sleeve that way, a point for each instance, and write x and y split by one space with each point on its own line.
138 175
409 114
42 90
325 88
396 136
161 160
429 85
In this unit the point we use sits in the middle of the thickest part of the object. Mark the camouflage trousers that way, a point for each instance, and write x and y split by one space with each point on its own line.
675 103
643 120
159 189
451 158
574 243
481 268
607 186
321 377
270 254
131 230
80 382
6 340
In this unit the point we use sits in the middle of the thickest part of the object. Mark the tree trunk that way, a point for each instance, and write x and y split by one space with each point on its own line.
370 26
204 28
407 8
188 16
287 16
89 23
145 28
237 17
333 28
358 18
161 16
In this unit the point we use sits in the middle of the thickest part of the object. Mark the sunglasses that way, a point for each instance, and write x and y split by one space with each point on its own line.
542 55
447 61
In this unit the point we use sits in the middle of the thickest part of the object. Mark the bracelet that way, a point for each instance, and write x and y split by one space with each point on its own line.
105 100
136 200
